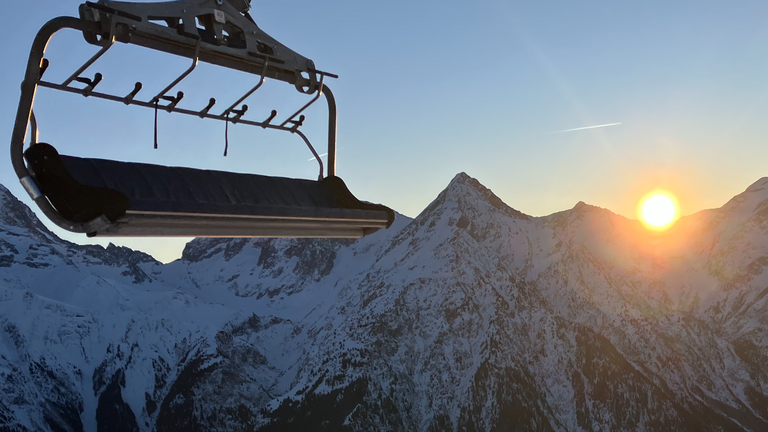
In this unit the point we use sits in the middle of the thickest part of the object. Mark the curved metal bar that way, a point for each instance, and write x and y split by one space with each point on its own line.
314 99
314 152
331 131
250 92
182 76
29 85
95 57
24 113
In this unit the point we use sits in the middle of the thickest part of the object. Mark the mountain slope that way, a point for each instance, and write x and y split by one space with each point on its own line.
473 316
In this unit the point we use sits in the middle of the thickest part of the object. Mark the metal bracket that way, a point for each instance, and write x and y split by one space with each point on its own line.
31 187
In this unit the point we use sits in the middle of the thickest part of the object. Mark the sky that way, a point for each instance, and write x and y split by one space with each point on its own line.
506 91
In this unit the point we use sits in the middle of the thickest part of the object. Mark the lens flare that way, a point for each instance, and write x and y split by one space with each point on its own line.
658 210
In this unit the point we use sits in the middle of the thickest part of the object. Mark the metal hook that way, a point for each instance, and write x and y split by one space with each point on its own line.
265 123
204 112
297 123
238 113
136 89
90 84
174 100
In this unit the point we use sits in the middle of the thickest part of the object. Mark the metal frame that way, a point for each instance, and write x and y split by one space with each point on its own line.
131 23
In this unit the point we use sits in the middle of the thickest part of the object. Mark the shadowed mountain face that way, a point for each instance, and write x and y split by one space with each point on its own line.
473 316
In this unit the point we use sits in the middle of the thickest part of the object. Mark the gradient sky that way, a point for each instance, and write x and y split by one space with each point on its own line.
428 89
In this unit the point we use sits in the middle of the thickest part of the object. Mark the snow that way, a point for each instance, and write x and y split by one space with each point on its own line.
577 320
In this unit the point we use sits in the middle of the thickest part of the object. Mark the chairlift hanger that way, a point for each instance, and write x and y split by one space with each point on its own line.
111 198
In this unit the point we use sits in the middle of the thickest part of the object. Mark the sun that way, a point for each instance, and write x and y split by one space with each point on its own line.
658 210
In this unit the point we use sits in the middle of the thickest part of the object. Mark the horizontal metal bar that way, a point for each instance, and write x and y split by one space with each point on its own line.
232 233
328 74
113 11
146 224
380 222
152 106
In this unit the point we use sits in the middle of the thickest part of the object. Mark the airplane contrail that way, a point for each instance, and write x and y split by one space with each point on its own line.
324 154
586 127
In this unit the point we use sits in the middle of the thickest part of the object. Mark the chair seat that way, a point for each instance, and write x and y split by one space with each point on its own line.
145 199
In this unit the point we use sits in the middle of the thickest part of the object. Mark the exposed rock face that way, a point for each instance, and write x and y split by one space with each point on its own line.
473 316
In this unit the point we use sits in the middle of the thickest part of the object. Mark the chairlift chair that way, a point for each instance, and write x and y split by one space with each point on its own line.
111 198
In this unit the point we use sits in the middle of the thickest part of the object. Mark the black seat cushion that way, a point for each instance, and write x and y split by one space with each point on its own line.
156 188
73 200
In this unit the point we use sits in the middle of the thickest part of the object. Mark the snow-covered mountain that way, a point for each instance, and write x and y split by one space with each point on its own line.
471 317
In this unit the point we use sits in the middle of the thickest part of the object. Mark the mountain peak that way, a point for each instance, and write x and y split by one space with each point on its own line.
462 178
465 204
581 207
468 189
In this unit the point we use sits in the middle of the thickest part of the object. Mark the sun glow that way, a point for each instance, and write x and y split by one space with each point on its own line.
658 210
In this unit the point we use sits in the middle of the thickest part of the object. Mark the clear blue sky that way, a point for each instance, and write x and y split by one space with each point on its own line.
431 88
